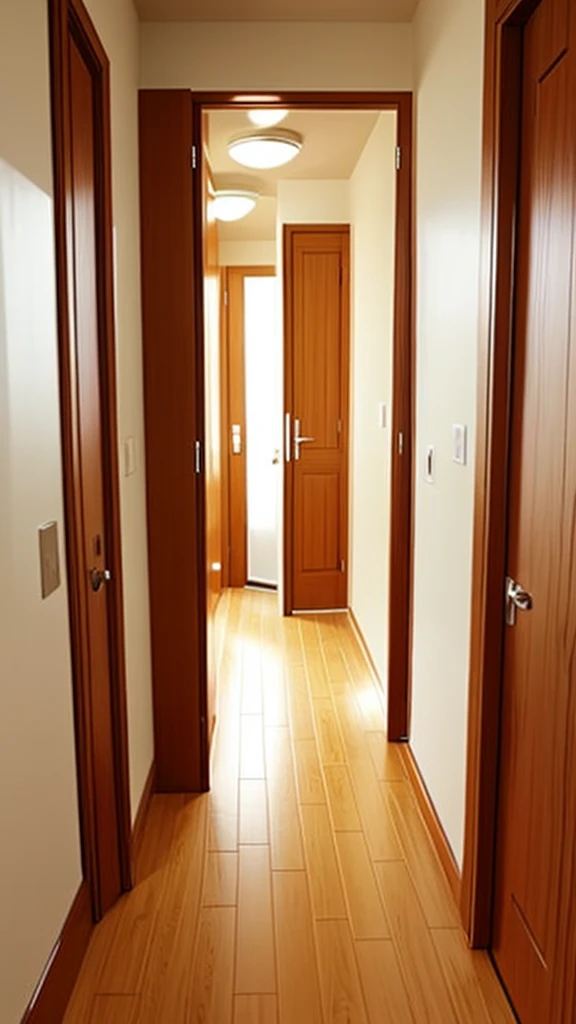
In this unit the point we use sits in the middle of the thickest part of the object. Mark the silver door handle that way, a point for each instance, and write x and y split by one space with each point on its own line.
517 599
98 577
299 439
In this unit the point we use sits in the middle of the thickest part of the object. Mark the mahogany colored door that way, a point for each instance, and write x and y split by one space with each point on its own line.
535 894
90 465
316 261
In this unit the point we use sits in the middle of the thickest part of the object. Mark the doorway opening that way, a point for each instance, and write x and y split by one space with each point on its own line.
316 393
198 528
250 375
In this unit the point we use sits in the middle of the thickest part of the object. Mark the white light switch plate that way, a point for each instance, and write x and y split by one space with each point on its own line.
460 443
382 415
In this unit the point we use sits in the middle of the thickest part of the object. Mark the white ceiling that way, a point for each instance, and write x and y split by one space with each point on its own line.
333 143
276 10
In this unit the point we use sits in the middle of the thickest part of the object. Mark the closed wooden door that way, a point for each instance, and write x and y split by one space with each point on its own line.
91 527
317 377
535 897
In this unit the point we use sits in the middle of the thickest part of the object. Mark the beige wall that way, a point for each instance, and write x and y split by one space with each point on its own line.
272 55
247 254
449 54
39 853
372 216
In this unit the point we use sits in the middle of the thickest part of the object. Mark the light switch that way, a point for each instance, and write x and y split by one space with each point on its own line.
382 415
460 443
129 456
49 559
429 465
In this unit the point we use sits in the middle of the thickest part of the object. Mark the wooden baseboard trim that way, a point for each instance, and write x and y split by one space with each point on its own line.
357 629
433 824
53 991
142 813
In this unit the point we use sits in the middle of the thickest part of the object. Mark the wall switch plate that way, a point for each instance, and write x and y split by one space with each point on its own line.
49 558
382 415
129 456
429 465
460 443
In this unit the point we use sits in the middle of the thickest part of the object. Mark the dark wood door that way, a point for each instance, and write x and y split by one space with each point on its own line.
537 796
92 527
317 378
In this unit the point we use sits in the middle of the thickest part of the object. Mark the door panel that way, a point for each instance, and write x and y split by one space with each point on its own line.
317 375
537 728
91 469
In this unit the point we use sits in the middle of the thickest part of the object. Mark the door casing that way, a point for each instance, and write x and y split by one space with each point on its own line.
70 17
403 383
501 166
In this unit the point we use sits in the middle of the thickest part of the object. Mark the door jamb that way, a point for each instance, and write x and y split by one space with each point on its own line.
403 387
501 165
71 16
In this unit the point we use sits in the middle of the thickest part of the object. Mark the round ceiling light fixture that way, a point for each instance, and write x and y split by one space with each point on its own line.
266 149
231 204
267 117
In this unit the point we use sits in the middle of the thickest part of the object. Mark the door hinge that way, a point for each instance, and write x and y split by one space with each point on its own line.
198 457
194 158
342 565
398 157
400 443
226 297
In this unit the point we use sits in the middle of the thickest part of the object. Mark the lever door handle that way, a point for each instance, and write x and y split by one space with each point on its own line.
299 439
98 577
517 599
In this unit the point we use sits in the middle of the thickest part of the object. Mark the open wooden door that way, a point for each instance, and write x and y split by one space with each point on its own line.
171 197
316 362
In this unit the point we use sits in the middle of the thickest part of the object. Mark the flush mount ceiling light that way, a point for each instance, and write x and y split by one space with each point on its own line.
265 149
267 118
233 203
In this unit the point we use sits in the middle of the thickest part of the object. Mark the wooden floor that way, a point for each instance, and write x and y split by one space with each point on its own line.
304 889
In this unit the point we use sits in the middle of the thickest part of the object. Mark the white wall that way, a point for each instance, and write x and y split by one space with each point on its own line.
449 54
247 254
40 867
275 55
313 202
373 219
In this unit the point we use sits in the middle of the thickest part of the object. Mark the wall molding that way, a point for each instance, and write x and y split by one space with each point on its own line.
142 814
357 629
433 823
53 991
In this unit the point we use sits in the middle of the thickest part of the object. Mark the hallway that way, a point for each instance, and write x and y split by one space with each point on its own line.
304 889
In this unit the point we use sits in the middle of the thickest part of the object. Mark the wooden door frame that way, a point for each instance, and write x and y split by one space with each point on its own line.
501 167
229 272
289 233
71 16
404 361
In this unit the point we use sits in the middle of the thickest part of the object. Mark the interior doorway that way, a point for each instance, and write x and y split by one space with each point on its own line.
251 356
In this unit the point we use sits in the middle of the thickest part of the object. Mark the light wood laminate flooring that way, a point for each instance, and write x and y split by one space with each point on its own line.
304 889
